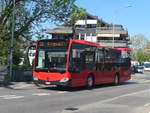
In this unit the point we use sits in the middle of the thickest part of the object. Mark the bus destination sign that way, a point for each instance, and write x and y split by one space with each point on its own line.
55 44
52 44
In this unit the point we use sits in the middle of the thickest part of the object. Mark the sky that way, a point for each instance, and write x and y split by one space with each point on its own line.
135 19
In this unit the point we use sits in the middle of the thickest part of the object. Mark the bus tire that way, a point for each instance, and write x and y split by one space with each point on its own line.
90 81
116 80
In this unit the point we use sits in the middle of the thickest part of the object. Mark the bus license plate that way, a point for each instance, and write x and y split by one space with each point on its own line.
47 83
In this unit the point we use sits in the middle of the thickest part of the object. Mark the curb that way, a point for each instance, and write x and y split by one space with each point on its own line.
16 85
20 85
140 79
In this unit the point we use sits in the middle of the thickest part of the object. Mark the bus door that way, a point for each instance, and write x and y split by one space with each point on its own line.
108 72
108 66
76 66
99 59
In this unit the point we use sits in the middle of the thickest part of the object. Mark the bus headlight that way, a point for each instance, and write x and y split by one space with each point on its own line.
64 79
35 78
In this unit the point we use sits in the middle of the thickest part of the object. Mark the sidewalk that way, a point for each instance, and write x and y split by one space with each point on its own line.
19 85
16 85
142 77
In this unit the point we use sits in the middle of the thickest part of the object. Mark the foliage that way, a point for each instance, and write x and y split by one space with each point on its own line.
18 53
17 57
141 55
78 13
139 44
147 56
25 62
29 14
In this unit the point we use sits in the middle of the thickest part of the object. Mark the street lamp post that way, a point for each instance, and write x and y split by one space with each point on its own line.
12 42
113 27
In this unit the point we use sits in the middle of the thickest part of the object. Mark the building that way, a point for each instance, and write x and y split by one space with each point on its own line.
93 29
148 45
147 49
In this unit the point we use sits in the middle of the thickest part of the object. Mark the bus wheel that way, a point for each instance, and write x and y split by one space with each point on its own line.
90 81
116 80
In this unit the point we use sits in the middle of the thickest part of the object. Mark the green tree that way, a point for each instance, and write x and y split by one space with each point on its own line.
138 45
29 14
140 56
147 56
78 13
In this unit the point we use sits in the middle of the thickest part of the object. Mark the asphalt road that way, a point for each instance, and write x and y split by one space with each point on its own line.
145 75
129 97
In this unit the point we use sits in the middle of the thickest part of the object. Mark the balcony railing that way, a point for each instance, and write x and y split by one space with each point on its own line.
115 43
110 28
111 41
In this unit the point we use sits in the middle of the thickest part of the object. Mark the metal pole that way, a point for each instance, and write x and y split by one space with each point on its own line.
113 35
12 41
2 6
85 36
114 14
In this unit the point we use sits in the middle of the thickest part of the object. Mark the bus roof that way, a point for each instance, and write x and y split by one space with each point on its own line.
97 44
124 49
88 43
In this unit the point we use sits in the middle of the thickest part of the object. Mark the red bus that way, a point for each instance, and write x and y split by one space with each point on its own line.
79 63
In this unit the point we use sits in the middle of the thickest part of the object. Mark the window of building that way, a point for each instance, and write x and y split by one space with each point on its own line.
82 36
91 25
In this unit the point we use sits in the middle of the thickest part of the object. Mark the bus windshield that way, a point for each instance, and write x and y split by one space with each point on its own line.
51 60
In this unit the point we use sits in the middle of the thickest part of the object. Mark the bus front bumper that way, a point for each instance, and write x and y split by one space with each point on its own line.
59 82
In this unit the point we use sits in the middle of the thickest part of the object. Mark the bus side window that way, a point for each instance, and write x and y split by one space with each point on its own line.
101 55
107 55
89 57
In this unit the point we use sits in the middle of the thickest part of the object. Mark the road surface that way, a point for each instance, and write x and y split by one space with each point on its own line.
129 97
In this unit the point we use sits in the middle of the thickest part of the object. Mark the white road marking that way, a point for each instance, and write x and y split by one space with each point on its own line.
121 96
41 94
3 96
11 97
61 92
14 97
97 104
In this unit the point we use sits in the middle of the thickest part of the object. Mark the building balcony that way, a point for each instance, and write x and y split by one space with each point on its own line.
113 43
110 30
59 30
